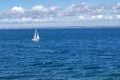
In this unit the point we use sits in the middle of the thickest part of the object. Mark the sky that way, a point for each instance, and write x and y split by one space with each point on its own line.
59 13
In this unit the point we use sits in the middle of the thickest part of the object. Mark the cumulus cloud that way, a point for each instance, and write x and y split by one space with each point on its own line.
40 13
54 9
118 16
101 17
97 11
116 8
18 9
84 8
40 8
100 10
26 20
77 8
109 17
82 17
98 17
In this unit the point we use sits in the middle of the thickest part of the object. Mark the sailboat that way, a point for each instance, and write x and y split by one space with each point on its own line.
36 36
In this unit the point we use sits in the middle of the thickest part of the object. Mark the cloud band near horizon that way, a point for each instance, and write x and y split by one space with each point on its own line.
73 13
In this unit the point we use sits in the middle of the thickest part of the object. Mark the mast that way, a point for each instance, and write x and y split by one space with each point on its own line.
35 34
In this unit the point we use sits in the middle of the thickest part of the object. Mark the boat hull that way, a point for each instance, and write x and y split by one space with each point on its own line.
35 40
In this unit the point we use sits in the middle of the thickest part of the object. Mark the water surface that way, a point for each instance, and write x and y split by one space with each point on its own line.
61 54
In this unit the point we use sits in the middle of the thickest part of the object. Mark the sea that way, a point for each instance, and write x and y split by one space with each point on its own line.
61 54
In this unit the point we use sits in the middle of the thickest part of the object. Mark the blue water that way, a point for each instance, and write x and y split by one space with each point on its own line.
61 54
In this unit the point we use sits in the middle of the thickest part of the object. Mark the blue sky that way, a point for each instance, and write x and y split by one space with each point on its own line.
59 13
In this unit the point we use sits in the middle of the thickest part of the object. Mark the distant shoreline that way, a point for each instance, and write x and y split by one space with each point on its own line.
66 27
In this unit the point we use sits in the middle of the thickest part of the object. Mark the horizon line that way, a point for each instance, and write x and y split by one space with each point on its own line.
62 27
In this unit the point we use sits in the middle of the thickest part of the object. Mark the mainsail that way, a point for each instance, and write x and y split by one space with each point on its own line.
36 36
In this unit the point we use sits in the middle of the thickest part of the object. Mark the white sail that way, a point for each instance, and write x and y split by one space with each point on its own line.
36 36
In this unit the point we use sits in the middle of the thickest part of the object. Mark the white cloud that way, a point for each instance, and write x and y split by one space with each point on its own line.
54 8
39 13
98 11
116 8
4 20
101 17
41 10
82 17
27 19
118 16
108 17
18 9
97 17
84 8
38 8
77 8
